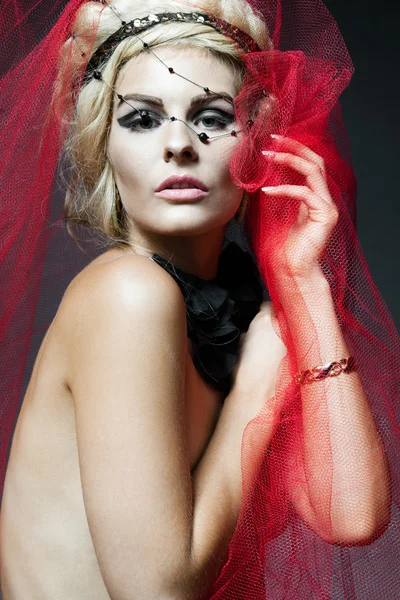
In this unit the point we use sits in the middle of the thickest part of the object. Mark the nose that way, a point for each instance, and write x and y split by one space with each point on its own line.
179 143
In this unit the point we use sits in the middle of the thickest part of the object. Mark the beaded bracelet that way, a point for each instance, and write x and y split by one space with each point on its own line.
333 369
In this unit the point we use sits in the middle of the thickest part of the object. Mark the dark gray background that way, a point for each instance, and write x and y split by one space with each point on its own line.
370 109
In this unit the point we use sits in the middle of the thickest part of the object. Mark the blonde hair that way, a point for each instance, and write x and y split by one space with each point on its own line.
91 197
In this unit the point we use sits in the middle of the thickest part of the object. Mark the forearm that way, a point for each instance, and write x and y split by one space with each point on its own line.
217 493
339 432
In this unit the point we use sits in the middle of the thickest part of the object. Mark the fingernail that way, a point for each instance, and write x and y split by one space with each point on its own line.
268 153
269 188
276 136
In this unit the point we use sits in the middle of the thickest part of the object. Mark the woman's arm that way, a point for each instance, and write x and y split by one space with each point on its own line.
344 492
351 507
125 326
217 479
217 495
157 532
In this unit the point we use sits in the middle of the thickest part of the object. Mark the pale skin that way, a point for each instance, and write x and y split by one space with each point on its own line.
192 233
179 520
341 401
47 527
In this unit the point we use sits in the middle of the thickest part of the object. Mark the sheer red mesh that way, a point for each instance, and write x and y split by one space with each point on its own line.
273 553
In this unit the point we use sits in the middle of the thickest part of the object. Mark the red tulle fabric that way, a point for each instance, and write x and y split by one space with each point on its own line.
273 553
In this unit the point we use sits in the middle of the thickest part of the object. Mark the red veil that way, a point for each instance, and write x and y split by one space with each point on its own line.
273 553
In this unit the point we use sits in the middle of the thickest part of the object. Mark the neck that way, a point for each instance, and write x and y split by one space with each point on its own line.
197 254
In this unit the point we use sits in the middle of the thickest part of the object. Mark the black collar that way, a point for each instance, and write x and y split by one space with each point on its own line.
219 311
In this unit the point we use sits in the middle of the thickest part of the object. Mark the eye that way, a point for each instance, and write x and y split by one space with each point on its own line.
139 121
146 120
214 119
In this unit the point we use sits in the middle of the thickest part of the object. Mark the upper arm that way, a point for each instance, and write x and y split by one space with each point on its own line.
127 348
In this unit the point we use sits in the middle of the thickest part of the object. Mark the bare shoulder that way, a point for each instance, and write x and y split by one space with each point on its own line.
126 347
123 278
122 268
119 288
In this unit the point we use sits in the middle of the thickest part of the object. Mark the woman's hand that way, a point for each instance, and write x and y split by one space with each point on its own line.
317 216
260 354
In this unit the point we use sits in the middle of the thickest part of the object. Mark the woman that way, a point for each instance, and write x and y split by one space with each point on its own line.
160 435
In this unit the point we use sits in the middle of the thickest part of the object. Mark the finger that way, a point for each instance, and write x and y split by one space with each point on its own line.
314 174
318 209
303 151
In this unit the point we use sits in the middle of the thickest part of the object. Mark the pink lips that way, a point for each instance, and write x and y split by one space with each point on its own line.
193 188
187 180
183 194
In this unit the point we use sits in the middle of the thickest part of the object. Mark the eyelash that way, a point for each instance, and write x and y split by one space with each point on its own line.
132 119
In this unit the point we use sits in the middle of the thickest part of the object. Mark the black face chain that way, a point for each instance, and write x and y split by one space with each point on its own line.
139 25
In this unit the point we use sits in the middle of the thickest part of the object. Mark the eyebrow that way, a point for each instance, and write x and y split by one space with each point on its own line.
201 99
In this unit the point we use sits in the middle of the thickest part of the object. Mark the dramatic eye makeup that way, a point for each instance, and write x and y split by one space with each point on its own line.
146 120
200 100
210 118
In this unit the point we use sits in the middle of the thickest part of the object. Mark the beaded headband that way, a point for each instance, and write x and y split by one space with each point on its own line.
137 26
140 25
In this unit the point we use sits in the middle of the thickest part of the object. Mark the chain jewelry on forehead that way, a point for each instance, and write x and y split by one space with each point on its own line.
139 25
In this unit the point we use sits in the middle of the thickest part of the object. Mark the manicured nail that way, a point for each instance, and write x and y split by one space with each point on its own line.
268 153
270 188
276 136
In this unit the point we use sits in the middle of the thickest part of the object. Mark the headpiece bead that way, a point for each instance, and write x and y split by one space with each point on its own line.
140 25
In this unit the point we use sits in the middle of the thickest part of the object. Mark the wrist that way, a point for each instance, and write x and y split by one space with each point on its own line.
315 275
314 285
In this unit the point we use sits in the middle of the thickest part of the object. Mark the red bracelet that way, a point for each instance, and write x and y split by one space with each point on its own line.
333 369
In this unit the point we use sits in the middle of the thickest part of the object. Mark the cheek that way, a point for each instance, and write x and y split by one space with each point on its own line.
231 194
227 151
224 160
129 161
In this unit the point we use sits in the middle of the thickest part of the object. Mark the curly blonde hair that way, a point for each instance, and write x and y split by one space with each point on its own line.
92 197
